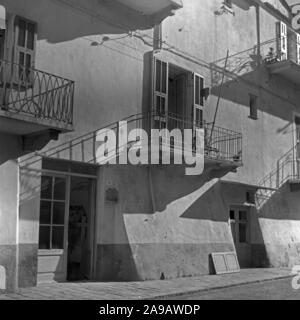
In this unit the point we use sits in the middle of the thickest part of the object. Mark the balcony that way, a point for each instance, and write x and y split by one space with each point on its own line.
34 101
155 8
221 146
285 64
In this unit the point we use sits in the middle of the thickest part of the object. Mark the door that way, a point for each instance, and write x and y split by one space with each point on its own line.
53 228
66 228
240 228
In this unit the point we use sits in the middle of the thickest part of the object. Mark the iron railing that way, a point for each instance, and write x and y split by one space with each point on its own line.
271 54
220 145
35 93
287 170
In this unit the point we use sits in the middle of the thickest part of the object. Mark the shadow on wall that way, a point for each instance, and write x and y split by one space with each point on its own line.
169 184
280 225
281 204
60 21
175 197
243 81
10 147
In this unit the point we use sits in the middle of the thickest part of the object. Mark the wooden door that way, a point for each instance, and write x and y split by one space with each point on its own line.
240 228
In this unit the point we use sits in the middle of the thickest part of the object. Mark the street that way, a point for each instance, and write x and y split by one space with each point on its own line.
270 290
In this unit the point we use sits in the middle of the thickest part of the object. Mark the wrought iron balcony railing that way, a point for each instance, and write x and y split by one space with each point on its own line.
287 170
35 93
221 145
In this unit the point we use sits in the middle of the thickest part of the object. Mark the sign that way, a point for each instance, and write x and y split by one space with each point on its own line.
296 17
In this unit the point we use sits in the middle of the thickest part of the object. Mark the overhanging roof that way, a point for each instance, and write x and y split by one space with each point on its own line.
152 7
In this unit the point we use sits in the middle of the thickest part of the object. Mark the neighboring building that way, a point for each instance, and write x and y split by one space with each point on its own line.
63 216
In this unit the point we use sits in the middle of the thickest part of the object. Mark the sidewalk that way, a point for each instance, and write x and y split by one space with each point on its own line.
144 290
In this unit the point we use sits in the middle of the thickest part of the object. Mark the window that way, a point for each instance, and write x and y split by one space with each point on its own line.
24 49
161 86
253 107
250 197
179 94
52 213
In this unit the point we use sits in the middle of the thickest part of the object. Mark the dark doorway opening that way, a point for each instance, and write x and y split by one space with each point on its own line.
81 229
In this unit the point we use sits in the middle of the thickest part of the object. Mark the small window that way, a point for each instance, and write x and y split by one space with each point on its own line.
250 197
52 213
253 106
232 216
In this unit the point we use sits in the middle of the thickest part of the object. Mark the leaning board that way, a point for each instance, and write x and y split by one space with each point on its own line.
225 262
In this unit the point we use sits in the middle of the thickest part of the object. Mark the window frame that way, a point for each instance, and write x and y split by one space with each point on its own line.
253 99
282 40
198 106
51 224
237 222
159 94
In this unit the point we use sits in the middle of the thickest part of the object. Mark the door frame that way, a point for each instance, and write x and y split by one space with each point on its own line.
237 208
68 176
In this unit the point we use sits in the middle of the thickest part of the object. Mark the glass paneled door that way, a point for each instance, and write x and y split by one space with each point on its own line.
66 227
53 229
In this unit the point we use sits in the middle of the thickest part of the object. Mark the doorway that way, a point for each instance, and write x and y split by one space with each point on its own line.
80 229
240 229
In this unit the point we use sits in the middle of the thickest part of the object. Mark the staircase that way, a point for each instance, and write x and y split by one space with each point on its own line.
286 171
221 145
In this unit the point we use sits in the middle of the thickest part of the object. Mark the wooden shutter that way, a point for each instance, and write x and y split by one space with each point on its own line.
298 48
282 43
198 101
160 88
24 49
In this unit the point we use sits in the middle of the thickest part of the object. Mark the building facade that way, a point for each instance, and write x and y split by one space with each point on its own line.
70 68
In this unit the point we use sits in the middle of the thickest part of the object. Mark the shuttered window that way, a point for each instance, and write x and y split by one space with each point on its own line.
198 101
24 50
161 70
282 41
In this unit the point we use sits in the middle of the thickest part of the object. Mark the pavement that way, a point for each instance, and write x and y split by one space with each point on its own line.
160 289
